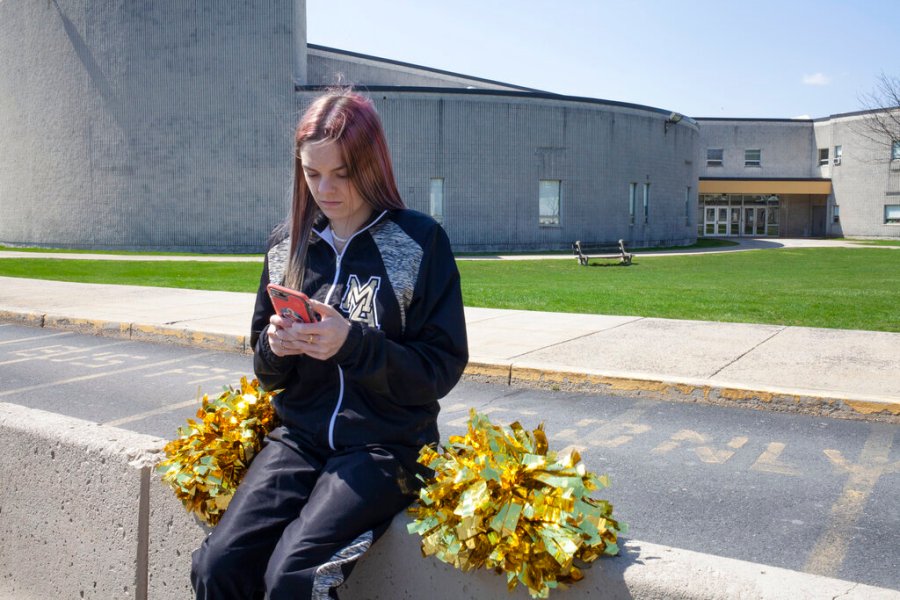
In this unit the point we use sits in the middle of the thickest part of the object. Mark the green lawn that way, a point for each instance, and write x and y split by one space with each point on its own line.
844 288
818 287
114 252
227 276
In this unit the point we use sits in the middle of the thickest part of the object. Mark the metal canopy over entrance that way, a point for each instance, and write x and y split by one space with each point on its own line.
764 186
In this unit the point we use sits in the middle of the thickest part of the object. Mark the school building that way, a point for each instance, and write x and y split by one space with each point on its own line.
158 125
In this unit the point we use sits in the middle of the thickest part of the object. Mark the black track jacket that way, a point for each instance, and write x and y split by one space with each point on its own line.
397 283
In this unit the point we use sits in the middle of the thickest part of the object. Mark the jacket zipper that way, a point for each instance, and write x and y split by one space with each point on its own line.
337 275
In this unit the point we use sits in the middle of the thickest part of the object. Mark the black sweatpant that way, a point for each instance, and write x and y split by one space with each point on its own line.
299 520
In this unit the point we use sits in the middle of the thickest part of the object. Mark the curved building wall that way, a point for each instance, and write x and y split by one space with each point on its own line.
165 125
145 124
492 150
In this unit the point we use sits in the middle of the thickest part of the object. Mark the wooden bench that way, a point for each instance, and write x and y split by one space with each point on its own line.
585 252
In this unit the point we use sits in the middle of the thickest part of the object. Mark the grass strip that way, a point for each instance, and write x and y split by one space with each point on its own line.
847 288
36 250
196 275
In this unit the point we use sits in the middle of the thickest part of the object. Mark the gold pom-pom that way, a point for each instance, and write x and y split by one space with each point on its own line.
500 499
207 461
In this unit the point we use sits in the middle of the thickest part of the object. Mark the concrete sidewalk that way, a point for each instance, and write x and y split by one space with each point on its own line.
843 373
741 245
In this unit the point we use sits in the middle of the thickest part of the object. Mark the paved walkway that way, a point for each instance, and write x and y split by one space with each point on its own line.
742 244
820 371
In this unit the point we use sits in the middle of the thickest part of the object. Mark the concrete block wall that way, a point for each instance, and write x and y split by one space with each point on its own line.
787 147
492 151
864 182
157 125
796 214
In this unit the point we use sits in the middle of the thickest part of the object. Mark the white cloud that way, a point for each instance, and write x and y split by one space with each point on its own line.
816 79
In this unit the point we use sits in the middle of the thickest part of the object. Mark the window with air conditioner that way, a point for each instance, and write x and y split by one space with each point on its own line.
838 153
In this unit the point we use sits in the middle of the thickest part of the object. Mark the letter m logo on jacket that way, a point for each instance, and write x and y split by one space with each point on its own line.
359 300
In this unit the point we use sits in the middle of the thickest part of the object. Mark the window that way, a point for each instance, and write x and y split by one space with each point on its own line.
835 214
632 199
838 153
752 157
895 150
646 203
714 157
548 201
687 205
436 199
823 156
892 213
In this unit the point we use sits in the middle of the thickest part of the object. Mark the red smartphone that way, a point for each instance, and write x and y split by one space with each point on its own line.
291 304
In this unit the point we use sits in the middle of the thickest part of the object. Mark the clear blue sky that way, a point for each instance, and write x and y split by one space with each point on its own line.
766 58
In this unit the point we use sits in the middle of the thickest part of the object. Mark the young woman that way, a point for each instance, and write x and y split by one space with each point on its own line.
360 386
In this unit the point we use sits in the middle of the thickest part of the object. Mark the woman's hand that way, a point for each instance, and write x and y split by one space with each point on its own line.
319 340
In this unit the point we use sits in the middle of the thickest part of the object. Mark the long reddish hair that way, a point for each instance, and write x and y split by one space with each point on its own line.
349 119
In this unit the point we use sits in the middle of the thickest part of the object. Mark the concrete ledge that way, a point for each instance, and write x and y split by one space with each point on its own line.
395 570
83 516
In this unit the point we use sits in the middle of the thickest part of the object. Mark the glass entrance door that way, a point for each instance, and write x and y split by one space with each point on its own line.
734 225
751 216
715 221
754 220
761 221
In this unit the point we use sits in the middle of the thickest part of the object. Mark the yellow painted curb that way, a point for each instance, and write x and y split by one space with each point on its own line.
187 337
488 370
707 394
89 326
31 319
874 408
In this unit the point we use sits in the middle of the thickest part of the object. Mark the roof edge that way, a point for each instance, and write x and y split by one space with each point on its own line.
537 95
399 63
